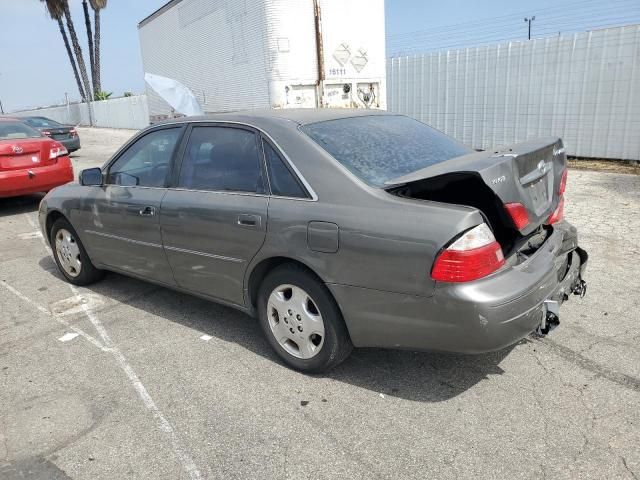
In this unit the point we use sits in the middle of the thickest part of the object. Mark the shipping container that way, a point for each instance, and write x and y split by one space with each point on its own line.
240 54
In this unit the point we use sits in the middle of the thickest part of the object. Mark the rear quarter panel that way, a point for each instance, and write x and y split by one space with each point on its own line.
385 242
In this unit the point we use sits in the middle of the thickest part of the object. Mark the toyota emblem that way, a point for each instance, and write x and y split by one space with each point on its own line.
17 149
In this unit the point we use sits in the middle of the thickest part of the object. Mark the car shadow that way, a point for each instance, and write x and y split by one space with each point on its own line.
17 205
417 376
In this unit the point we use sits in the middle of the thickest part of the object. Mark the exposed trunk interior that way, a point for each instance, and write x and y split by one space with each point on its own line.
468 188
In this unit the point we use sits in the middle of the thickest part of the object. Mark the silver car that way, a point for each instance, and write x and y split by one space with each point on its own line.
335 228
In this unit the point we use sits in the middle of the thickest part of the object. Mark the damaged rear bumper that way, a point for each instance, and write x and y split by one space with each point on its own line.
476 317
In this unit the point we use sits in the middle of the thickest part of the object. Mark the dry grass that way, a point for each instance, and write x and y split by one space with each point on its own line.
611 166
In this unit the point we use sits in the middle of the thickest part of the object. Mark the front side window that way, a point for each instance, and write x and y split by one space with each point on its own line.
146 163
282 180
221 159
379 148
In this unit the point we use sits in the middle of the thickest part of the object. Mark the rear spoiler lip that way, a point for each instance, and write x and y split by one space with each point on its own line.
468 163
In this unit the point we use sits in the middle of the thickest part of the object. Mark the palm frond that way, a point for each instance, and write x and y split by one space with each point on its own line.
55 8
98 4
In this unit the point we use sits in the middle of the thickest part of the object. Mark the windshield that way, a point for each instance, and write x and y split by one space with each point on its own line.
42 122
378 148
10 130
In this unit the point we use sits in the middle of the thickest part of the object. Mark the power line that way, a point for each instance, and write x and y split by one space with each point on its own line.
510 17
499 29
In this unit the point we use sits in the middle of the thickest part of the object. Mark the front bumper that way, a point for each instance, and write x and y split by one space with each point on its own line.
475 317
14 183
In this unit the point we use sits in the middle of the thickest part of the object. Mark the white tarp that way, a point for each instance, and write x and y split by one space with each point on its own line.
181 99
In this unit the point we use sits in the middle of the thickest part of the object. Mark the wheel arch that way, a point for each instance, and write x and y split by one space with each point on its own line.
52 217
262 269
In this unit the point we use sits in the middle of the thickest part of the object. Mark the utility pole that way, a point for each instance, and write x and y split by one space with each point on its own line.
529 20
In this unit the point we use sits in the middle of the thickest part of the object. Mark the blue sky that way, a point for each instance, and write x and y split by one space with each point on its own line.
34 69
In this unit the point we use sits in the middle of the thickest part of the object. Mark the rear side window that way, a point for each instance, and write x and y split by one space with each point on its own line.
15 130
146 163
222 159
378 148
40 122
281 179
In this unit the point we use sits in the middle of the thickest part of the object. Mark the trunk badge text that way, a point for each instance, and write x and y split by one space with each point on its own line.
541 165
498 180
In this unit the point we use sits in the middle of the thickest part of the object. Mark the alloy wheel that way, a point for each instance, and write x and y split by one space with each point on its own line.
68 252
295 321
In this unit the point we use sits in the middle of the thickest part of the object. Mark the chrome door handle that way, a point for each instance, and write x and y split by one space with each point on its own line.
247 220
147 211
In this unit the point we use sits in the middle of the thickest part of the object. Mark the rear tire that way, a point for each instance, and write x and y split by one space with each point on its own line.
301 320
70 255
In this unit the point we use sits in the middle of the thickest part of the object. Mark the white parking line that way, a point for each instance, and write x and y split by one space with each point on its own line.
29 235
67 337
42 309
163 424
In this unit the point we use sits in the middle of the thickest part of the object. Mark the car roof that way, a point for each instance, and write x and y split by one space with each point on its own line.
299 116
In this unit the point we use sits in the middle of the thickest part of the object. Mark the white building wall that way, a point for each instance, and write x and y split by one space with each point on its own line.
584 88
292 63
359 26
243 54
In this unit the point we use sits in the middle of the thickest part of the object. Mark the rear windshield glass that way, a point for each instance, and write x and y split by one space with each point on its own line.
9 130
42 122
379 148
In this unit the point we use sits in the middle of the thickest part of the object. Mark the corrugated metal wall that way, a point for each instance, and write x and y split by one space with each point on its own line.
125 112
214 47
584 88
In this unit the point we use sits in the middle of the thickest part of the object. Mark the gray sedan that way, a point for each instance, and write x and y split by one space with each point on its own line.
335 228
67 135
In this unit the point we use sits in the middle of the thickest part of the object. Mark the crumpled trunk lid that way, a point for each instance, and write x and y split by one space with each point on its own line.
528 173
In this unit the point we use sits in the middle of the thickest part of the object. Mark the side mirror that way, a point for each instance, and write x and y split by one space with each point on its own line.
91 176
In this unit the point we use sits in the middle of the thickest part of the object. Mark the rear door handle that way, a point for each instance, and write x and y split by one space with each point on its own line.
147 211
247 220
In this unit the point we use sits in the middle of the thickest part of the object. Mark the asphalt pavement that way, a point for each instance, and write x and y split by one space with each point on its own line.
125 379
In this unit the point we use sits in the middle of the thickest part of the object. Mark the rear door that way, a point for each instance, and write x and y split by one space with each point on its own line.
122 216
214 220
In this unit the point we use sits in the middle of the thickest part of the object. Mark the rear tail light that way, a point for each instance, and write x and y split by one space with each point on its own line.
558 214
474 255
56 152
563 182
518 214
73 132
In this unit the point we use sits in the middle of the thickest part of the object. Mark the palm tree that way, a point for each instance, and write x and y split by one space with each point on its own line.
76 47
56 11
97 5
92 62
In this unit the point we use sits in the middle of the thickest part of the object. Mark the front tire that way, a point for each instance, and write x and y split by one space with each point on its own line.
70 255
301 320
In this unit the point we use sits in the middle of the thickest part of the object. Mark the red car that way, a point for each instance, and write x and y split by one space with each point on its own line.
30 161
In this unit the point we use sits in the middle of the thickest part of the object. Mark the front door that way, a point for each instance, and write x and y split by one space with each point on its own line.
122 219
215 220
